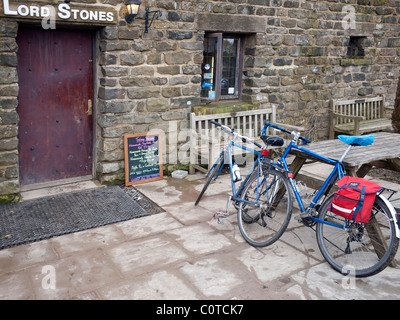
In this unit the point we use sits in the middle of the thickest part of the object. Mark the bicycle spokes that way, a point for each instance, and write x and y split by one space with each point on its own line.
262 217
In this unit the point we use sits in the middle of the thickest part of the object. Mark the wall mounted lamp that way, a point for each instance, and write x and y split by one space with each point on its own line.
133 8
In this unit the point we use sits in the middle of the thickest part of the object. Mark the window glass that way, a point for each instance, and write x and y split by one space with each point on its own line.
221 67
229 67
209 68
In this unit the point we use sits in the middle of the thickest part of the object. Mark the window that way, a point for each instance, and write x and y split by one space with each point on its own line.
355 48
221 69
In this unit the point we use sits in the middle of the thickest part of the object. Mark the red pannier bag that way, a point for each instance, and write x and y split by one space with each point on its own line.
354 198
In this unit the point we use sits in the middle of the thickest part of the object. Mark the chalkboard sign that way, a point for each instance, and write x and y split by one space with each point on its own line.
143 157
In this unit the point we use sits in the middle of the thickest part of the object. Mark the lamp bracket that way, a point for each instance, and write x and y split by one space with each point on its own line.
156 14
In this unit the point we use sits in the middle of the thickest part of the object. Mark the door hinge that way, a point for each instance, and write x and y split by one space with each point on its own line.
90 108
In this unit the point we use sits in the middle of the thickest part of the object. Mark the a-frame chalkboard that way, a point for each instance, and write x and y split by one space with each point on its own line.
143 157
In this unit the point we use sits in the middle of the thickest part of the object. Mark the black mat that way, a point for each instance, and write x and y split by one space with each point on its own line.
35 220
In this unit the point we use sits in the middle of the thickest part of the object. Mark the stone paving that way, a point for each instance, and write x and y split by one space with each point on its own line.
178 255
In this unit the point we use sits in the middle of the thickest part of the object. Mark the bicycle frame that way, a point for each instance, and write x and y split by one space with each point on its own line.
337 172
228 153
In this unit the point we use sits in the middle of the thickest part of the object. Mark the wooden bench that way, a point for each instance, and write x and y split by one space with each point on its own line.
206 142
359 116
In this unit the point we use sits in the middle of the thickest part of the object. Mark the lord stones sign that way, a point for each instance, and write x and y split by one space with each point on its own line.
58 12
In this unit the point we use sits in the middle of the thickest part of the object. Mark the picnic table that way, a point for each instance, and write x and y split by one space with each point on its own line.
383 153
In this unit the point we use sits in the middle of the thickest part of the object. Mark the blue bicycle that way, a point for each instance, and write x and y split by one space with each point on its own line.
266 204
227 157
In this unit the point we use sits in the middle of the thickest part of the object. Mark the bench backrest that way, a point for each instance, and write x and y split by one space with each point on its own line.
248 123
370 108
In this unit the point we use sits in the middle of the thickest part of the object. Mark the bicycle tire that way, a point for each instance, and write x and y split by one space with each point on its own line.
211 175
354 252
264 223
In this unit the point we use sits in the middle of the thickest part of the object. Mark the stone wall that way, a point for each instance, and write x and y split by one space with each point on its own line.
8 108
295 57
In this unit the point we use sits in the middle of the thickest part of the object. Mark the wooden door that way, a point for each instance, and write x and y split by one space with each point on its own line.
54 104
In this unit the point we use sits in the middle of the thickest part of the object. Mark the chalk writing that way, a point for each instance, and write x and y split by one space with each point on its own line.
142 158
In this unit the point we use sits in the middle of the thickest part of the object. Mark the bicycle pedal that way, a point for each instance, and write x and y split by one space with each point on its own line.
220 215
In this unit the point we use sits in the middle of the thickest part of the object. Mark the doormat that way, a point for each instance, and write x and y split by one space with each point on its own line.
44 218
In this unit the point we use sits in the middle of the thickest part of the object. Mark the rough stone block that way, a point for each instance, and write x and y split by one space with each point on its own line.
108 94
9 186
8 75
131 59
309 51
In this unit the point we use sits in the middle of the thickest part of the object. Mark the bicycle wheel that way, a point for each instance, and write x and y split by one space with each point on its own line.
266 214
211 175
364 249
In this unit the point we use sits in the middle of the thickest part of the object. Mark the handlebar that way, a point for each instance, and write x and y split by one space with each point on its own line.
294 134
232 131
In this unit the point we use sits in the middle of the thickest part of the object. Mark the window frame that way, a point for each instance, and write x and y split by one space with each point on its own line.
219 64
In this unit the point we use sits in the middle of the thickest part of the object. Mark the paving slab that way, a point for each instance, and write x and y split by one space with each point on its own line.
26 255
272 262
178 254
76 274
214 277
187 213
15 286
200 239
324 283
303 239
92 239
145 255
158 285
148 226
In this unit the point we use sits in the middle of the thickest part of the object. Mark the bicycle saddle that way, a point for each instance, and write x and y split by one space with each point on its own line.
273 141
357 140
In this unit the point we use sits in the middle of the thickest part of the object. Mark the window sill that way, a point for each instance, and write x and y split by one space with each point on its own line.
224 107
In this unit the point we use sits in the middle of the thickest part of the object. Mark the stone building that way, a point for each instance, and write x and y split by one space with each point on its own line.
76 76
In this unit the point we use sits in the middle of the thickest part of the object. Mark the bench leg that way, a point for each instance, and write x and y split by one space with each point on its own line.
332 128
331 133
356 127
294 167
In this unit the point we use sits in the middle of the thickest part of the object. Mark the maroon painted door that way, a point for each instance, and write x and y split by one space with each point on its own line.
54 104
